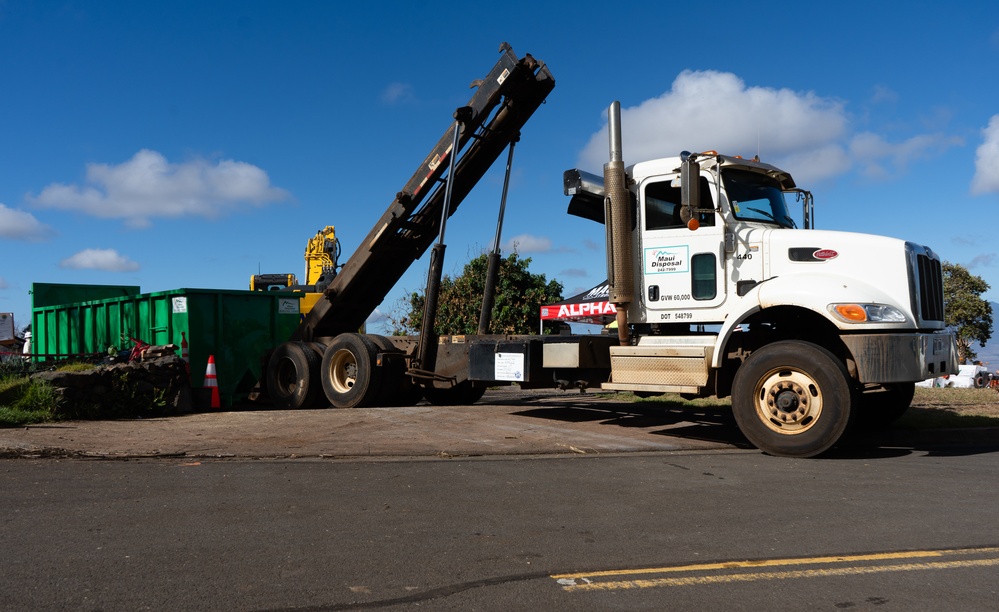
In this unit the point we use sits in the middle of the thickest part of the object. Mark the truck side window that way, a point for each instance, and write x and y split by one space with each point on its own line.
704 282
662 206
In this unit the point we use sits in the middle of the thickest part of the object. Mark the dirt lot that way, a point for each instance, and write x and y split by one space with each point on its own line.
505 422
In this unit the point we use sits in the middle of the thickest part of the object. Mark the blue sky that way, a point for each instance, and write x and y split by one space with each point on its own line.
193 144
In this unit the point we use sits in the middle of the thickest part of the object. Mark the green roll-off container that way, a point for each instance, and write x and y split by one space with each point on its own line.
237 327
51 294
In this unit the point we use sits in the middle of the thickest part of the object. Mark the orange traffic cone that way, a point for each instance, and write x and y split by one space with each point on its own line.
212 382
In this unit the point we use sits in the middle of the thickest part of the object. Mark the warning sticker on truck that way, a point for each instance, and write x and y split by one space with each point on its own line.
509 366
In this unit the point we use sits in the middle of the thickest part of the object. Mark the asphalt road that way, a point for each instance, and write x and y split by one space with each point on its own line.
528 501
733 530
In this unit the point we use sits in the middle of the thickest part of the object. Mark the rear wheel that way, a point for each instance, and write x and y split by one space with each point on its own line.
293 376
350 378
792 398
320 349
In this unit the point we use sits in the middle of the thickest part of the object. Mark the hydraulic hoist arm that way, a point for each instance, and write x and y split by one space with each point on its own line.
503 102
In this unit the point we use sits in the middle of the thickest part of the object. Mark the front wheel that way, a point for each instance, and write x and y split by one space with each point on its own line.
793 399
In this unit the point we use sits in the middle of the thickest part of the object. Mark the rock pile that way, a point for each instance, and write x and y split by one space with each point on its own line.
157 385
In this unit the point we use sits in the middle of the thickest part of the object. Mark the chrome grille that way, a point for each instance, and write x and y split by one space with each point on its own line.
930 287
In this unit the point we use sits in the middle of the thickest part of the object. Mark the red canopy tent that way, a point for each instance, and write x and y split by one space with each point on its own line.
590 306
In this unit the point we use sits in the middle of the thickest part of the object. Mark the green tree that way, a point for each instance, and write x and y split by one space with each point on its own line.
968 315
519 296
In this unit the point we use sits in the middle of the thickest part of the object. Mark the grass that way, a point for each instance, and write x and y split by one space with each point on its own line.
75 367
952 408
985 401
673 400
24 401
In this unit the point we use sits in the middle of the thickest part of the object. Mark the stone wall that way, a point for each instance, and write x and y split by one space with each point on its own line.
154 386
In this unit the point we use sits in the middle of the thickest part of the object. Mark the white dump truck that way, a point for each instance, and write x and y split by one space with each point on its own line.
717 293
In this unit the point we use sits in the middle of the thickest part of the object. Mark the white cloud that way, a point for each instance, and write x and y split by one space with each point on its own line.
812 164
377 316
526 243
99 259
883 94
986 179
397 93
872 151
716 110
20 225
148 186
802 132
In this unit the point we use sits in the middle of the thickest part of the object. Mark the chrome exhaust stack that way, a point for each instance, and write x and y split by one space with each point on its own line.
618 223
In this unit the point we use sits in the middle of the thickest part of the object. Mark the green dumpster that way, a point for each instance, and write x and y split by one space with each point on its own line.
52 294
236 327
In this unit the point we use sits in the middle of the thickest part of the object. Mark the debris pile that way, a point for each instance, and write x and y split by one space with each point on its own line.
156 385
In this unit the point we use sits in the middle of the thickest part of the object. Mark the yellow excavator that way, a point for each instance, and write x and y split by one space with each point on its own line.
322 253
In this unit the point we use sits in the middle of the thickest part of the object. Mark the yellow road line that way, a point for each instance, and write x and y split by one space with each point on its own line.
812 573
583 580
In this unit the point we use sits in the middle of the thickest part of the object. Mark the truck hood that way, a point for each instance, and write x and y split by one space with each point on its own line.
815 268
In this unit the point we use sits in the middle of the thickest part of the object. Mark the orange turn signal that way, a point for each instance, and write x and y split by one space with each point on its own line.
851 312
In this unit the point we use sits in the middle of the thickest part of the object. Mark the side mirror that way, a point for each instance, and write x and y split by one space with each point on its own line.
690 191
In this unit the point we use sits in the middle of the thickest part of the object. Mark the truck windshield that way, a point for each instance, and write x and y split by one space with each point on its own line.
756 197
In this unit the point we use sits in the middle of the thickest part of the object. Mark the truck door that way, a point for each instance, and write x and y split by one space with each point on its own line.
683 272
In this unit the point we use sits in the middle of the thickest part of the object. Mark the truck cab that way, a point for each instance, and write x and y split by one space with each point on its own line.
805 329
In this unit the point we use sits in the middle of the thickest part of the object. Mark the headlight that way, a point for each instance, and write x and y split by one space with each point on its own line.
867 313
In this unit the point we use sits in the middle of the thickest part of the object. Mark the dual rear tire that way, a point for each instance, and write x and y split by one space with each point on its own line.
293 375
344 374
348 371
